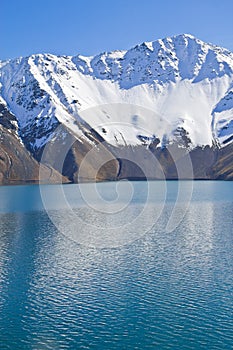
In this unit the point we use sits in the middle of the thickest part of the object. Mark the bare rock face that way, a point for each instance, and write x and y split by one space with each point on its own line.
17 165
84 159
223 167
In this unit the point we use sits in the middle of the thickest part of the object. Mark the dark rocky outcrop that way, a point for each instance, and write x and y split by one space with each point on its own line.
17 165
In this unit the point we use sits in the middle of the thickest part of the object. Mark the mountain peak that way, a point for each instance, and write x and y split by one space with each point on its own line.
185 35
181 77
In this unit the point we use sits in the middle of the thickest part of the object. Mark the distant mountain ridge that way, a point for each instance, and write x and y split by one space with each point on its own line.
181 89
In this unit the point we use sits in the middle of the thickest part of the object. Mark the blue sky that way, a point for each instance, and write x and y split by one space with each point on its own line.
89 27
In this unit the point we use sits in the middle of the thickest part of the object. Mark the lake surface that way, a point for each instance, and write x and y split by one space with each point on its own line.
150 283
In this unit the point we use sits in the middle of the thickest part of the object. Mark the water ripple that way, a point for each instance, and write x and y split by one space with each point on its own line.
164 291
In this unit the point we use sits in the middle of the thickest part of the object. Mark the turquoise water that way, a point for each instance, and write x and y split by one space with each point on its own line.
164 290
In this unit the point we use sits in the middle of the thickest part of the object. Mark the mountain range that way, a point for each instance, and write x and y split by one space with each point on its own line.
162 109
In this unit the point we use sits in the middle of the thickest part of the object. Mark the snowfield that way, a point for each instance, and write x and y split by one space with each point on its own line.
133 97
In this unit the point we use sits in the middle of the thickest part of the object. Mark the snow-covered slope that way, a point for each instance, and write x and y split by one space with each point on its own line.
153 90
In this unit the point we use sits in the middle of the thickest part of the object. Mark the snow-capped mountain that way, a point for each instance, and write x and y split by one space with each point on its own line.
162 90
